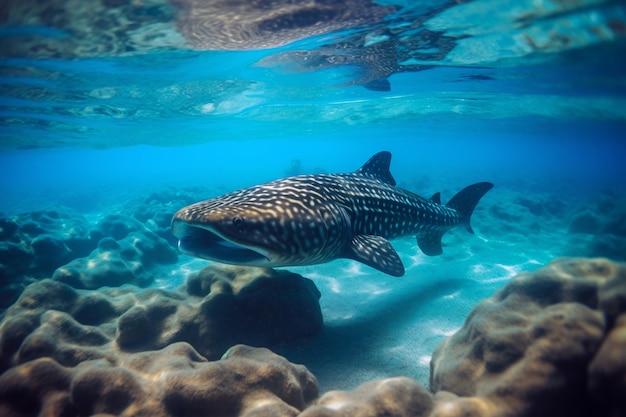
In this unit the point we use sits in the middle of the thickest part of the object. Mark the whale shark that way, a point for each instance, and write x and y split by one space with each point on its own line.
313 219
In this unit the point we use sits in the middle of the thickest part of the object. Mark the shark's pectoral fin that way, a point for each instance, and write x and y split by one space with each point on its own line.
377 252
430 243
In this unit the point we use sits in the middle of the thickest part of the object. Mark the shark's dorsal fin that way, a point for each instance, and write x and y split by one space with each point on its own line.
377 167
436 198
377 252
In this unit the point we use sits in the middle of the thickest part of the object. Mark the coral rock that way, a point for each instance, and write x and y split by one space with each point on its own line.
585 223
175 381
33 245
525 351
238 305
117 251
401 397
114 263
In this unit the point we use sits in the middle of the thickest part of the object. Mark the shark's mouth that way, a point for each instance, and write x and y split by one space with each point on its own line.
205 243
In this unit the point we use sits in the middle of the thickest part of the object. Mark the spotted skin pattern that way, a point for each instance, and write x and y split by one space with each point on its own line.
311 219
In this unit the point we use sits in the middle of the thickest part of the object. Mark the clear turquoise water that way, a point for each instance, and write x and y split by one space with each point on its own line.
102 105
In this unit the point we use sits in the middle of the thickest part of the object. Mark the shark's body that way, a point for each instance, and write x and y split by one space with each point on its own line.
311 219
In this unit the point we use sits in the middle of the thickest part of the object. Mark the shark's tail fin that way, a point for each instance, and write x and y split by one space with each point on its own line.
465 201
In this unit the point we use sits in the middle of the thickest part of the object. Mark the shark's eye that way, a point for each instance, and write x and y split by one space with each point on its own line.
238 221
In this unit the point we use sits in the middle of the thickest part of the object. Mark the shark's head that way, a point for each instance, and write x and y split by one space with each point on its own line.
227 234
254 227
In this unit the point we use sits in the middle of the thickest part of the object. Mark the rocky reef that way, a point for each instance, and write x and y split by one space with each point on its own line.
112 250
527 350
549 343
174 381
61 243
217 308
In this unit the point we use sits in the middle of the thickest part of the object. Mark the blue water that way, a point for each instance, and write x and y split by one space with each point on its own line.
583 156
530 96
